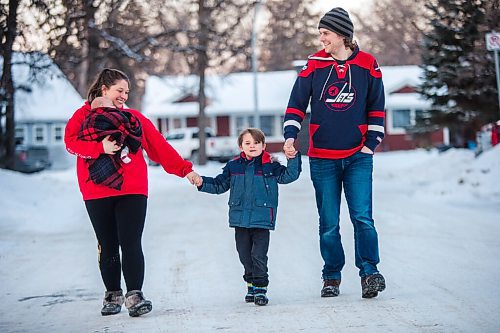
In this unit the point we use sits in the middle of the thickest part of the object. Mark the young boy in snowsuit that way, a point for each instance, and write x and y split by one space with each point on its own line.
252 179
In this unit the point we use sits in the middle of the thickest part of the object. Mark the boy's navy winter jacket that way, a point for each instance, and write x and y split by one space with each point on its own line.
253 185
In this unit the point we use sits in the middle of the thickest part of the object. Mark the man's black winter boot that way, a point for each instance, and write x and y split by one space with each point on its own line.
331 288
371 285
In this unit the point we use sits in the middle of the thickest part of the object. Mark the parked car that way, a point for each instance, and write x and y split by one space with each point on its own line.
29 159
187 143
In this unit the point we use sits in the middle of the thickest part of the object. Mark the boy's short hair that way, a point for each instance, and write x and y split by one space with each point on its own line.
256 134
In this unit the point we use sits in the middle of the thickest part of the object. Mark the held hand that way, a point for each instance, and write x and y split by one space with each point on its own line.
366 150
110 147
198 182
194 178
289 149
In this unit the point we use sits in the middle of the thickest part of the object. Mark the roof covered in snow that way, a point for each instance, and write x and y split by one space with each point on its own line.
397 77
49 97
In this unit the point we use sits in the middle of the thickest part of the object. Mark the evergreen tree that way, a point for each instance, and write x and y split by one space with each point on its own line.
459 71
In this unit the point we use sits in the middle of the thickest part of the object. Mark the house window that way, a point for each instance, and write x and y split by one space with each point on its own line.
192 121
57 133
176 123
240 124
420 116
267 125
39 134
222 125
243 122
401 118
20 135
251 121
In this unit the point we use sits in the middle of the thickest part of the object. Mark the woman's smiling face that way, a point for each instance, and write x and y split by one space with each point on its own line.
117 93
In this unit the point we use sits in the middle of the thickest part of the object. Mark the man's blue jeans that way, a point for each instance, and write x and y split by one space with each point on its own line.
354 174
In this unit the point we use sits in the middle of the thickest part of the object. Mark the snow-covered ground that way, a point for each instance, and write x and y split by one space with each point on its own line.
439 228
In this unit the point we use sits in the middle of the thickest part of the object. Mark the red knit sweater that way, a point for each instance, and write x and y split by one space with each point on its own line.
135 173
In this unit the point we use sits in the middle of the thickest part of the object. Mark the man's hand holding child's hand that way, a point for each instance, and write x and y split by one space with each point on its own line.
289 149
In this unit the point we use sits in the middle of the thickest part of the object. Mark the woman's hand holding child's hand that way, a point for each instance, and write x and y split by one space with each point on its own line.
194 178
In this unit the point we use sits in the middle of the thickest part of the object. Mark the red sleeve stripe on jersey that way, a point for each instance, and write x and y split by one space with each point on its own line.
296 112
380 114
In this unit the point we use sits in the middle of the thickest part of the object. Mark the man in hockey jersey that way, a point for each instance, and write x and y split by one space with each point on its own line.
344 88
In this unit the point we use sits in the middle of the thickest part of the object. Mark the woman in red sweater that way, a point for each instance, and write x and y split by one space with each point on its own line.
112 175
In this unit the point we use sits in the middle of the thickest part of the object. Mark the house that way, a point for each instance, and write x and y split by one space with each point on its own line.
170 102
403 106
44 107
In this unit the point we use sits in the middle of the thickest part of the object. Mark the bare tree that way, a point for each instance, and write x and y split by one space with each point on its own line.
9 32
218 44
392 30
290 33
88 36
13 32
213 35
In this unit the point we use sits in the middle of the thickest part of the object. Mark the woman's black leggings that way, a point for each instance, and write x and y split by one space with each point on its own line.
118 223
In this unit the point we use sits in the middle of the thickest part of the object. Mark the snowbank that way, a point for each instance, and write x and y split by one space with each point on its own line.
455 174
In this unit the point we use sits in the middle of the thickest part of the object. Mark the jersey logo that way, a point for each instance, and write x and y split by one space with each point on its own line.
339 97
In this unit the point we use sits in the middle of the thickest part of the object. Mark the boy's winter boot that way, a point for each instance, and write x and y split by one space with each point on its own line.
250 296
136 304
371 285
112 303
331 288
260 297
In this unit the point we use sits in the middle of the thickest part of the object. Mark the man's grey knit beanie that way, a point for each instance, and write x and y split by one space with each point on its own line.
338 21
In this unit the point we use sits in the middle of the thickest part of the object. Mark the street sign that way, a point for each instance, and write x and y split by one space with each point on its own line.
493 41
493 44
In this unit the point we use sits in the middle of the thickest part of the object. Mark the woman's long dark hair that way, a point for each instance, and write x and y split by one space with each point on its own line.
107 77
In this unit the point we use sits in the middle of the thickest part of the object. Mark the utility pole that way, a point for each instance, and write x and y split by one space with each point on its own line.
254 66
203 38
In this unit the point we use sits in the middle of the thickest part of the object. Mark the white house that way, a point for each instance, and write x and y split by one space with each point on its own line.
170 102
42 112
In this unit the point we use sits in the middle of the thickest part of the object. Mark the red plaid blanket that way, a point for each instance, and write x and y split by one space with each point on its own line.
124 128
